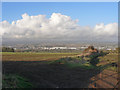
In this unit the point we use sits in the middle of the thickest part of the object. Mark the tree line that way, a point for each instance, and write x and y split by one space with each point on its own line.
7 49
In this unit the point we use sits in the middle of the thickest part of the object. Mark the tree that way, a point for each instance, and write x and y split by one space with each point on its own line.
7 49
94 60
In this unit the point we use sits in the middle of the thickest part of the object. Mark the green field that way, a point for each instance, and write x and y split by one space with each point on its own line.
31 56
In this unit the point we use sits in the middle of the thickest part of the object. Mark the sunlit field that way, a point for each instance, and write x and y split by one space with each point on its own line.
30 56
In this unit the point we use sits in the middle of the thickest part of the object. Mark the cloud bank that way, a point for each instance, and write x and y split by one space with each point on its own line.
58 26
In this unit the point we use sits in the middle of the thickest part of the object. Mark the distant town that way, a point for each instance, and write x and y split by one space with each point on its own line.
58 47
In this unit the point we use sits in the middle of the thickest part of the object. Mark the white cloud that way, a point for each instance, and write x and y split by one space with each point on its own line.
57 26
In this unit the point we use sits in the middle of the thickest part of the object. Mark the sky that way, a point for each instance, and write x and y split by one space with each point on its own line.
89 13
81 21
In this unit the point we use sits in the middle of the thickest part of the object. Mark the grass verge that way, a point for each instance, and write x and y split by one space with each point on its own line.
15 81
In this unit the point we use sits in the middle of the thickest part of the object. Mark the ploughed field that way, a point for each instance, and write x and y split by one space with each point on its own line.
43 75
43 70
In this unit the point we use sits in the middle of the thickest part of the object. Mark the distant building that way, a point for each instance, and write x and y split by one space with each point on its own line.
58 48
74 48
83 47
109 49
63 48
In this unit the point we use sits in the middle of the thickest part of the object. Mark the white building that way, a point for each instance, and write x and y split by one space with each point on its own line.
52 48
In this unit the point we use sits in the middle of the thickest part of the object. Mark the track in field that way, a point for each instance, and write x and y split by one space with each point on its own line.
105 79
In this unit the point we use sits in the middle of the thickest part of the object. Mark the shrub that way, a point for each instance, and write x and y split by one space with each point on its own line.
94 60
